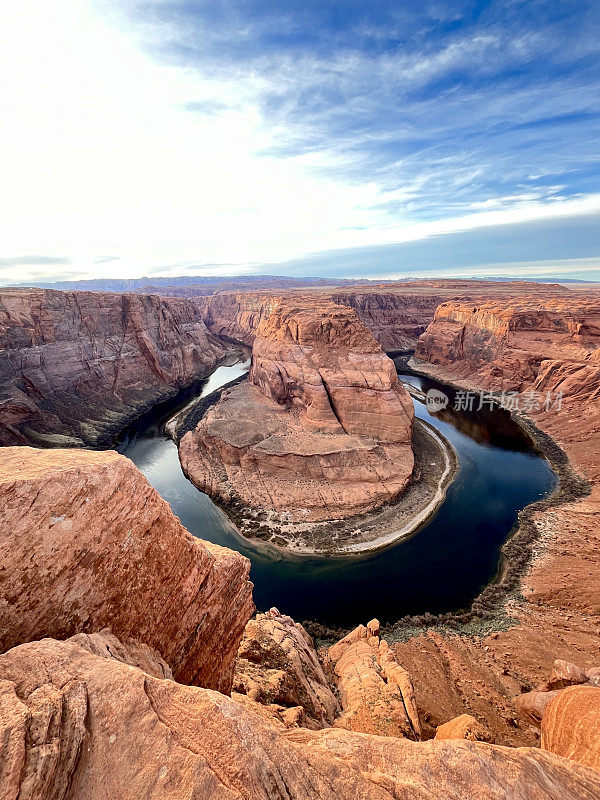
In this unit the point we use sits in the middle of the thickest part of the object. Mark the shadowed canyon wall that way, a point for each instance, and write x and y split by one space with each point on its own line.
74 366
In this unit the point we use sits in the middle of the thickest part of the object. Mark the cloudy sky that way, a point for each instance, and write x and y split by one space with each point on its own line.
307 136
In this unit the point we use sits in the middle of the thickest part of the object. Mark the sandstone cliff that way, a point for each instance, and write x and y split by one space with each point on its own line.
321 431
522 344
74 366
87 543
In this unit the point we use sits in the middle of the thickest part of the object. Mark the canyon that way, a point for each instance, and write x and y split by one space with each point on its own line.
130 664
322 429
75 366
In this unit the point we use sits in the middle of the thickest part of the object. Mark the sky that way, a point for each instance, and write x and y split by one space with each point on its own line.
342 139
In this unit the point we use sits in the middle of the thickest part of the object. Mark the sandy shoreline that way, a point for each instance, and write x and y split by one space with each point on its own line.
450 468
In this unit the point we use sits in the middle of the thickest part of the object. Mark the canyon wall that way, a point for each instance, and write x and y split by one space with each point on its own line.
74 366
521 344
322 430
533 345
87 543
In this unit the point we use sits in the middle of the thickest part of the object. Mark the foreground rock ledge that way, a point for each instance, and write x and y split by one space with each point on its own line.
87 543
79 724
321 431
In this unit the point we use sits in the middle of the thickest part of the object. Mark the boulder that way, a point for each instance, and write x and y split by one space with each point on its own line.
277 665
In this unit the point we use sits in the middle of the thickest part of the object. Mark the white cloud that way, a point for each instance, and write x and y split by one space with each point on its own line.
99 155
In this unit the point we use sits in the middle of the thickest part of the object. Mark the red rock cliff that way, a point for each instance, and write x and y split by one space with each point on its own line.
323 429
77 364
87 543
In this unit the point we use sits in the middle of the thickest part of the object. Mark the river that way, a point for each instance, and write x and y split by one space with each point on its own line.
440 568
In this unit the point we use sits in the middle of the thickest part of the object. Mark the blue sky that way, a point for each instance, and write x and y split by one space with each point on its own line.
341 138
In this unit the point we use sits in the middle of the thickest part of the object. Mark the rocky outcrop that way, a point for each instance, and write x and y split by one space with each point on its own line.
321 431
376 693
75 366
87 543
464 727
277 665
78 725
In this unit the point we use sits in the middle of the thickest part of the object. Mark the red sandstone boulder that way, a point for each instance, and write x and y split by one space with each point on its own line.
277 665
571 725
464 727
87 543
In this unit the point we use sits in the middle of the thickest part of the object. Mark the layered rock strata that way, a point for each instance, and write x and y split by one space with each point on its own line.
78 725
74 366
322 430
522 344
87 543
395 313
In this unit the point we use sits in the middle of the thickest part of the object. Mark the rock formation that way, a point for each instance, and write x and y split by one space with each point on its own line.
321 431
567 709
87 543
396 314
571 725
74 366
522 344
376 694
77 724
277 665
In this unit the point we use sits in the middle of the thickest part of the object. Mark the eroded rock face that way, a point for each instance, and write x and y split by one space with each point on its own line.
277 665
81 726
74 366
376 693
532 343
87 543
321 431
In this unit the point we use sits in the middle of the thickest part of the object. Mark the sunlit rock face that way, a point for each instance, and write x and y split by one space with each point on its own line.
75 366
533 342
322 429
87 543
